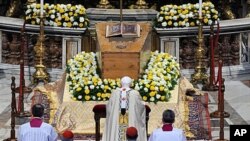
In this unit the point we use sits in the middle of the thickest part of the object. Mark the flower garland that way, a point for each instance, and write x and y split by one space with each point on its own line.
185 15
156 83
58 15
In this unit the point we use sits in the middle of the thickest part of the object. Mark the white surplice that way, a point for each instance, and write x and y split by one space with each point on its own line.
136 115
174 135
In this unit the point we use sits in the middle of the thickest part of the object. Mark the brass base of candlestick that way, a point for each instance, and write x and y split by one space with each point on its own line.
104 4
210 87
40 74
217 114
141 4
23 114
26 90
199 75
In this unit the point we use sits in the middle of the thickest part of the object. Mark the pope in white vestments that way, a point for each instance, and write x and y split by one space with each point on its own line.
125 108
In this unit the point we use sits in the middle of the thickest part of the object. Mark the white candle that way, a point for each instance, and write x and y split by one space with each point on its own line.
200 8
41 7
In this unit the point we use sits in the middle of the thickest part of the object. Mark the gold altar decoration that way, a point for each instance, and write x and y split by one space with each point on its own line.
141 4
104 4
40 73
200 74
14 6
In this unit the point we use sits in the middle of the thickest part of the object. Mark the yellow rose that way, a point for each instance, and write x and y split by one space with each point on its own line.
192 24
78 89
170 22
205 20
103 95
70 13
152 88
144 98
86 91
163 98
61 10
69 24
87 97
161 88
80 25
152 93
99 94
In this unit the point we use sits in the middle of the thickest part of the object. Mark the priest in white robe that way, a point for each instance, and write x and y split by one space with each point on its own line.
167 132
125 108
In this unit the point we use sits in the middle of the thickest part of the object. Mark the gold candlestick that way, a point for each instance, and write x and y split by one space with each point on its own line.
104 4
141 4
40 73
200 68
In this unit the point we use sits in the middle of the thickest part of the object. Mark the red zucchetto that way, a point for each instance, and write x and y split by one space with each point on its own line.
131 132
68 134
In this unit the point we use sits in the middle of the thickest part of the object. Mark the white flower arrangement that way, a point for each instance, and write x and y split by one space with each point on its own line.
58 15
185 15
155 84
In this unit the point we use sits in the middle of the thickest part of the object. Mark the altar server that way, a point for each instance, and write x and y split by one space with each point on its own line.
125 108
167 132
36 129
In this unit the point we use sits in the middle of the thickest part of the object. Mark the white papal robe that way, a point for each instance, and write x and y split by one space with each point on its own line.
174 135
136 115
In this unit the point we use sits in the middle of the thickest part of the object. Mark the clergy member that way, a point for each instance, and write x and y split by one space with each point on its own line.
167 132
36 129
125 108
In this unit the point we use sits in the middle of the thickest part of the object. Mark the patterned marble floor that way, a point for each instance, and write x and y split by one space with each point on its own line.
237 103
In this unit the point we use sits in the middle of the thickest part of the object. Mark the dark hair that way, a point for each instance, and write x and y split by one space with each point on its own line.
37 110
168 116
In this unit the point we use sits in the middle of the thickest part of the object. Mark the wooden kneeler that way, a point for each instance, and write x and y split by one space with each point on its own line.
100 112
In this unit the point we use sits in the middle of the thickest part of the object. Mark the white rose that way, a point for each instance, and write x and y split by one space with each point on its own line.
164 24
160 19
152 99
81 19
79 96
52 16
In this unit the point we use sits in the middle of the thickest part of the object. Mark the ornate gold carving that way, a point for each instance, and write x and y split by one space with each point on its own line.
200 68
229 13
104 4
13 8
40 73
141 4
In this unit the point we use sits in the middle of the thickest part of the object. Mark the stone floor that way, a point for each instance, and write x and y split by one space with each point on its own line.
237 103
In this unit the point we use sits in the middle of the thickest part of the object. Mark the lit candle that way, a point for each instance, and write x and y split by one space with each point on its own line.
41 8
200 8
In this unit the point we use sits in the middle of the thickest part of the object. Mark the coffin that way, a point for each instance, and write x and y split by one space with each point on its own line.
120 56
